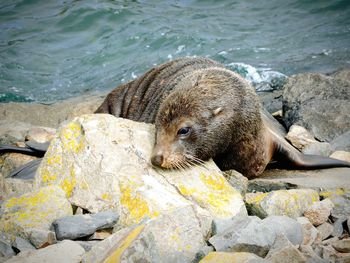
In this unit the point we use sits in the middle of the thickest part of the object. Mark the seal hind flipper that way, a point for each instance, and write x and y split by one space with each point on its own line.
289 157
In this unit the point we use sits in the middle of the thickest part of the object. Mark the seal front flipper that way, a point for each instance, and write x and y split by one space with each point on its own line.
290 158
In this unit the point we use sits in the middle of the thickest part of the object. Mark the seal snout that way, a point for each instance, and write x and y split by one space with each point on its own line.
157 159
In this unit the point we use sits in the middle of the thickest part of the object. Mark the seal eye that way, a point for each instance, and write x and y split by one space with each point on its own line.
184 131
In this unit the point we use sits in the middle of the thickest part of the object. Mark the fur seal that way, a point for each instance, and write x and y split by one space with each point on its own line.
202 110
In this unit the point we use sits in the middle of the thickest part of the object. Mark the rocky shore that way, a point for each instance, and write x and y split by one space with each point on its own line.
96 198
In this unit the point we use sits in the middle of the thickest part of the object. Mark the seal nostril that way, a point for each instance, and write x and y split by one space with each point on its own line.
157 159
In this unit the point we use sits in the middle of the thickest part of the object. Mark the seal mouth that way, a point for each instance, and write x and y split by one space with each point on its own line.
175 161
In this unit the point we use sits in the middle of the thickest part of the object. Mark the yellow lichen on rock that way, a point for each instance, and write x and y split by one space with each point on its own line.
34 210
210 190
72 137
127 241
137 207
227 257
290 203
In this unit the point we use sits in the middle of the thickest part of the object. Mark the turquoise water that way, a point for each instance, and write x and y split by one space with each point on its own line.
51 50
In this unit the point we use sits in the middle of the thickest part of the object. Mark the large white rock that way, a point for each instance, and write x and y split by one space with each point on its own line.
103 163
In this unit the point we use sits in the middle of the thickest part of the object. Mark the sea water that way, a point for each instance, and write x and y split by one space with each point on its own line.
54 49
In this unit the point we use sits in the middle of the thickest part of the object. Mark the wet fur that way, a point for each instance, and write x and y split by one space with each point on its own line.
228 122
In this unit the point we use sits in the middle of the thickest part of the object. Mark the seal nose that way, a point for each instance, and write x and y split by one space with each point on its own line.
157 159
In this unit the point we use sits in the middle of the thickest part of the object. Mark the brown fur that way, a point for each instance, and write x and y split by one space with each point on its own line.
222 111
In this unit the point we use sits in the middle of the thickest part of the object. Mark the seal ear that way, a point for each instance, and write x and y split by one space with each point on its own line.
217 111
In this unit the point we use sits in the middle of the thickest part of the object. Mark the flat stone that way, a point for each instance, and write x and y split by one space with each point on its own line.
226 257
319 212
310 233
292 203
342 245
37 209
76 226
257 236
39 237
65 251
325 230
325 179
283 249
173 237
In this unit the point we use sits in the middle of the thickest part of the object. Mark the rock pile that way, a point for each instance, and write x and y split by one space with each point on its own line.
96 198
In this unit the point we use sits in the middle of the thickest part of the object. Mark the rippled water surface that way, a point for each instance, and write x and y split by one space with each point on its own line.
53 49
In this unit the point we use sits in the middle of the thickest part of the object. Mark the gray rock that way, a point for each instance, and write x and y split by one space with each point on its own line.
6 250
22 244
310 233
287 226
323 108
338 226
272 101
220 225
65 251
256 236
76 226
39 237
283 249
237 181
173 237
324 230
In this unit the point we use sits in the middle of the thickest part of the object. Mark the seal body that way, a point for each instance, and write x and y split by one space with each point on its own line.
202 110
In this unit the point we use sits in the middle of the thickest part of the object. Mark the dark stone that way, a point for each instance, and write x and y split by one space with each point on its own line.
319 103
77 226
